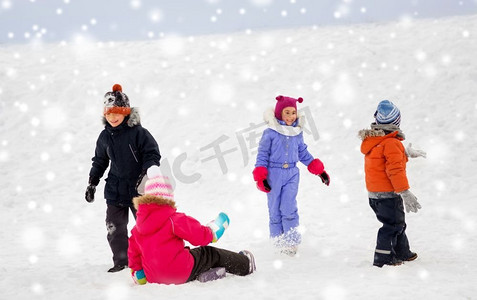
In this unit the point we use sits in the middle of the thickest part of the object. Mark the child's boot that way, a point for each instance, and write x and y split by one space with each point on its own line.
393 261
412 257
212 274
251 259
390 259
408 256
290 251
117 268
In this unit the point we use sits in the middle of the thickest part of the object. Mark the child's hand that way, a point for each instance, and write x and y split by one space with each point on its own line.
89 194
260 176
413 153
139 277
218 226
410 201
264 186
316 167
325 178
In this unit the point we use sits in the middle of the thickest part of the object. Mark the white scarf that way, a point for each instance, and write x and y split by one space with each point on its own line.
272 122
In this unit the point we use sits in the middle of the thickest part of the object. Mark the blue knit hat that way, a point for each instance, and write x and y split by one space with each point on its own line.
387 113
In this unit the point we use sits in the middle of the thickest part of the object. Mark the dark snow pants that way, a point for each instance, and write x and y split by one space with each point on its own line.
392 242
117 218
207 257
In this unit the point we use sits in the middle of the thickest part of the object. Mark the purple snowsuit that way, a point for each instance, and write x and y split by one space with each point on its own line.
279 151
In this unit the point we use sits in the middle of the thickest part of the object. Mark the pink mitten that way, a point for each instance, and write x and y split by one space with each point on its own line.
260 176
316 167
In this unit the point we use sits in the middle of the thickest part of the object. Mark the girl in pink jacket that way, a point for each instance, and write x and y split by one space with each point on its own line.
157 252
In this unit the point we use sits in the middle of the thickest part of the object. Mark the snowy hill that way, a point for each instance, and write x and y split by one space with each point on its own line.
210 91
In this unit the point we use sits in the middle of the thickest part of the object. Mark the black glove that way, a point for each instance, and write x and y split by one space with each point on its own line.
325 178
89 195
267 186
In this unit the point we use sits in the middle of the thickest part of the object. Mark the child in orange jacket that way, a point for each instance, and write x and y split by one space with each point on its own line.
387 184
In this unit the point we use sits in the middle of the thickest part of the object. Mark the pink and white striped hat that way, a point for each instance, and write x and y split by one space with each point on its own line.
158 185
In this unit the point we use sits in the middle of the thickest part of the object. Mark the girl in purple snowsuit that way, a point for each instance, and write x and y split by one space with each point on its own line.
276 173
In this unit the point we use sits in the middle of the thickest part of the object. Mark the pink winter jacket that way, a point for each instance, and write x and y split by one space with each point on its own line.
157 241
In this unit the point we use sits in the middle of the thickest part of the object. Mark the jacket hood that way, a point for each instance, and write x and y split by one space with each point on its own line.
133 118
151 199
381 130
366 133
152 212
372 137
273 123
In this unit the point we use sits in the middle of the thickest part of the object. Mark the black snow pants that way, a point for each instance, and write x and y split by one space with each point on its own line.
207 257
117 218
392 242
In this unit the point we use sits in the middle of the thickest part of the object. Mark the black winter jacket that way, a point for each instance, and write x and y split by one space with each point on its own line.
131 150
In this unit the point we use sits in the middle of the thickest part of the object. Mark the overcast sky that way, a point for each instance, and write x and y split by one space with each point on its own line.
105 20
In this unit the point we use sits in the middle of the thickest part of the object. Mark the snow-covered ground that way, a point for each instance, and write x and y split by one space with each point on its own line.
201 94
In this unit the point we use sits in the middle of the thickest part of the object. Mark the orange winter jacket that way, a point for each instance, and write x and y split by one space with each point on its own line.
384 162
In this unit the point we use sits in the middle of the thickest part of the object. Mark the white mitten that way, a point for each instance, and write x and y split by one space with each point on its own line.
410 201
413 153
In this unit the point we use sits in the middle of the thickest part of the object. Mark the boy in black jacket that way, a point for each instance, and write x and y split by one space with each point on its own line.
131 150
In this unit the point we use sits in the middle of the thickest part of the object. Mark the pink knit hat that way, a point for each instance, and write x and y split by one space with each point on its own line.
282 102
158 185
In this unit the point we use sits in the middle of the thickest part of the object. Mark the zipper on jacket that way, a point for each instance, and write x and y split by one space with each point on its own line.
133 153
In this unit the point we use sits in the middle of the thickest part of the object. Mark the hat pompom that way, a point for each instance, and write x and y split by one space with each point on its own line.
300 100
117 87
279 98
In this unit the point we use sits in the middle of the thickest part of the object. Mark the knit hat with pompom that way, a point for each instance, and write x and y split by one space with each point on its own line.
283 102
158 185
116 102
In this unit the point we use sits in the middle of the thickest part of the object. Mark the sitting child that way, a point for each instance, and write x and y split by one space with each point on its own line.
157 252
